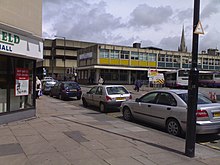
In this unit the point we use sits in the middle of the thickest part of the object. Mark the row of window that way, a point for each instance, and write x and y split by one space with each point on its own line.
116 54
186 60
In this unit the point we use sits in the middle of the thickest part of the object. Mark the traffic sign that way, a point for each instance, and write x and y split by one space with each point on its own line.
199 29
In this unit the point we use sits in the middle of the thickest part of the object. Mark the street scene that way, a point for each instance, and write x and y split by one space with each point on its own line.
210 140
109 82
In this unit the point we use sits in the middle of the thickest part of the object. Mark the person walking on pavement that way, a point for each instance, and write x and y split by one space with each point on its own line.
137 85
100 81
38 87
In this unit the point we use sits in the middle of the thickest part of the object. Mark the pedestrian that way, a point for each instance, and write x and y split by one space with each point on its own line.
38 88
100 81
138 84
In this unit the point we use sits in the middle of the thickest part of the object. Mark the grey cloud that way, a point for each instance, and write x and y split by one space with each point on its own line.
170 43
79 20
183 15
209 40
211 8
145 15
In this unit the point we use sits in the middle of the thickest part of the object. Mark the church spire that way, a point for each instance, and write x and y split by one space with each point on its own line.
182 47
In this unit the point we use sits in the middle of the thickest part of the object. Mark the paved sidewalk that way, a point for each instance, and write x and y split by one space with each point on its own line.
63 134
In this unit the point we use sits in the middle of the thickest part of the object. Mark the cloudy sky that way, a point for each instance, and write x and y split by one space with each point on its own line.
155 23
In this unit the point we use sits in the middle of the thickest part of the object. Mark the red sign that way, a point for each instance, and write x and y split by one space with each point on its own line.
21 81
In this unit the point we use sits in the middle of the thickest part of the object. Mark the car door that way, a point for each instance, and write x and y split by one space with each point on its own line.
89 95
162 109
98 96
143 104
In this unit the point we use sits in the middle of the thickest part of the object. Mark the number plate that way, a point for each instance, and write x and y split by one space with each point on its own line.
217 114
120 98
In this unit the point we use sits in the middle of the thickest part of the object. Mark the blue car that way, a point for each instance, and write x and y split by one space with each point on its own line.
66 89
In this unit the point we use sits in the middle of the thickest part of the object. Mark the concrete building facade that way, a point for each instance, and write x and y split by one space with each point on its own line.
118 64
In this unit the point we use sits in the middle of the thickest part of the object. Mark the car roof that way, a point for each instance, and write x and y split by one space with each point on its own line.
176 91
69 82
111 85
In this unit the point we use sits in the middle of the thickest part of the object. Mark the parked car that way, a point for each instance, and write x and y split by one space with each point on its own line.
106 96
47 85
168 109
66 89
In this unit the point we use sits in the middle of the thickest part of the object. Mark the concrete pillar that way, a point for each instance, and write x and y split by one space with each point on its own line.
97 74
129 77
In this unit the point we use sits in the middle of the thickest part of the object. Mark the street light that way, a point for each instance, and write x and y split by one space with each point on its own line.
64 55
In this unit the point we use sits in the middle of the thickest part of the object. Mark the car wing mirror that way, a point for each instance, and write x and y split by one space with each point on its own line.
137 100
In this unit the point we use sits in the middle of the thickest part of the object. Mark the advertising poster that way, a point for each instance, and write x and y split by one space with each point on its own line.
21 81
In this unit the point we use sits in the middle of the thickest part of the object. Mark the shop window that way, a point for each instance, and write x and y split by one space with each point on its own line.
21 84
3 84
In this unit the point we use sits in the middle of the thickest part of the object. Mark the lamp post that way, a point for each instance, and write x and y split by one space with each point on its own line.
64 55
193 88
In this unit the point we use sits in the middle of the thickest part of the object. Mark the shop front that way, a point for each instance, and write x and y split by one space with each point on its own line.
19 52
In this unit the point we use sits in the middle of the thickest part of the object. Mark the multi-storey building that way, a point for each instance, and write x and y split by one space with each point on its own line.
60 58
21 45
120 64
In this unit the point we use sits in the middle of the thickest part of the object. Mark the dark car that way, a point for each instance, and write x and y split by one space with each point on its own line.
66 89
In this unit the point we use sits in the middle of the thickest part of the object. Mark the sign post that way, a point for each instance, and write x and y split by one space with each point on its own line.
193 87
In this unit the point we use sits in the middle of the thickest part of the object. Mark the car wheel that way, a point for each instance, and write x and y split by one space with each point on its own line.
85 104
173 127
102 107
51 94
127 115
78 97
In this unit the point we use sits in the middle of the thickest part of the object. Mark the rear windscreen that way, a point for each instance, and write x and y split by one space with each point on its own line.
116 90
71 85
201 98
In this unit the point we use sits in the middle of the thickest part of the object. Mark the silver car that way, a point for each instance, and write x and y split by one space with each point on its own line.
168 109
105 96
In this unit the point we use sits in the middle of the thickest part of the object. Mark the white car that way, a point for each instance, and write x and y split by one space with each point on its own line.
168 109
106 96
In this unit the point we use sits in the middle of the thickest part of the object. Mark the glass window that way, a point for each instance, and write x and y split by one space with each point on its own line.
93 90
114 54
161 57
99 91
124 54
145 56
149 98
152 57
134 56
104 53
166 99
24 101
201 98
3 84
116 90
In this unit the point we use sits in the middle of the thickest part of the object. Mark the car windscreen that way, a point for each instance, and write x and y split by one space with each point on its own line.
71 85
201 98
116 90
